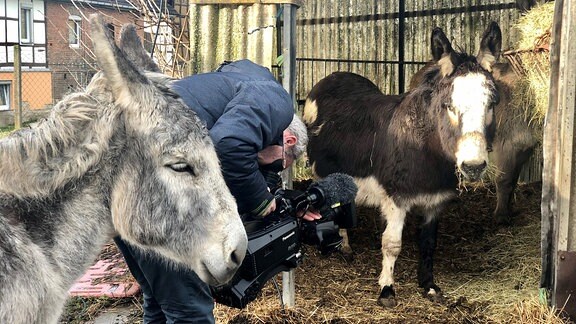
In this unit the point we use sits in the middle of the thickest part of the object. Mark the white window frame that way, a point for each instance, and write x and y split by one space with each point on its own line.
2 88
29 22
76 28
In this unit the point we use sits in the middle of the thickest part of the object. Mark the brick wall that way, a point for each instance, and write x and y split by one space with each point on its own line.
72 68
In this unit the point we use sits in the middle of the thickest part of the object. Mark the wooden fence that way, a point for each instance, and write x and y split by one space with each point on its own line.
388 41
385 41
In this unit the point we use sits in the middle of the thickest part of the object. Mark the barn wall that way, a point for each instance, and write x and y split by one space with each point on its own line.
222 32
363 36
355 35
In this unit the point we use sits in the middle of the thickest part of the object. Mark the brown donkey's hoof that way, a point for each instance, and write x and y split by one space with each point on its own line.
435 295
387 302
387 297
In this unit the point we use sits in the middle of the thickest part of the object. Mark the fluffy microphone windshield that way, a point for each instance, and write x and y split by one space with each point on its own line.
337 188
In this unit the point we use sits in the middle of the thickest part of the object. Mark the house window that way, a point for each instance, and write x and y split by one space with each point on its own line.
26 25
4 96
74 31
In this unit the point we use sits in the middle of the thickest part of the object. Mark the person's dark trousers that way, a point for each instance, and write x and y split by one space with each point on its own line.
171 295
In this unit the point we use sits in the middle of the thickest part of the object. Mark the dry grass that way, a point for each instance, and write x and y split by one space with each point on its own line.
537 67
489 273
526 103
532 62
531 93
535 26
533 311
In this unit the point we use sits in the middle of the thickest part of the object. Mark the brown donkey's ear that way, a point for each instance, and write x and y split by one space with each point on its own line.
490 46
442 52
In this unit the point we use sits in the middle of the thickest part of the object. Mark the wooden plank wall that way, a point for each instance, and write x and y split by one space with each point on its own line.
364 36
558 186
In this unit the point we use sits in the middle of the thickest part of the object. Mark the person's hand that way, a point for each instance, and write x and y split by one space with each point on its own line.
310 215
271 208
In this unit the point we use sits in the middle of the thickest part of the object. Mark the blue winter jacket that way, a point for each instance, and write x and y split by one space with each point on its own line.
245 110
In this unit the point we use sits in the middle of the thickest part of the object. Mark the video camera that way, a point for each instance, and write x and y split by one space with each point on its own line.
275 242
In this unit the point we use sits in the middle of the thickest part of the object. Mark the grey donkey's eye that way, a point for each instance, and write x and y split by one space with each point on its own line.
182 167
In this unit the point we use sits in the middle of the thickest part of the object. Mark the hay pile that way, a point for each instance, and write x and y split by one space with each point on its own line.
535 27
489 274
531 60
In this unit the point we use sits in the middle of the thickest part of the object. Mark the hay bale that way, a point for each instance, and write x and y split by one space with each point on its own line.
532 91
531 61
535 27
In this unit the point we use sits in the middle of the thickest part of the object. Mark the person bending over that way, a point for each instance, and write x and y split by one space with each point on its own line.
251 120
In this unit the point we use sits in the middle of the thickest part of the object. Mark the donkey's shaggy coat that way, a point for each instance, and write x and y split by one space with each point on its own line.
405 151
515 138
126 157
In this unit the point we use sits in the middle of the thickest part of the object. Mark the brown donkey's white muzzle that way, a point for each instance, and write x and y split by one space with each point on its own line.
472 155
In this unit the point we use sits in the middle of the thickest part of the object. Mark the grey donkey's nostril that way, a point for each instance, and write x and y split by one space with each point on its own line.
236 257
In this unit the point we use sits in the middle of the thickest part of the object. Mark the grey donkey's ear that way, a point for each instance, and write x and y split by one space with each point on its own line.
131 44
130 88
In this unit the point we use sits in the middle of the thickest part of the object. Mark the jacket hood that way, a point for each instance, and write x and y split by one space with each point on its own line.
246 67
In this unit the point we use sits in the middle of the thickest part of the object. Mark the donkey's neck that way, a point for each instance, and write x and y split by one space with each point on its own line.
416 135
51 242
36 162
55 182
411 125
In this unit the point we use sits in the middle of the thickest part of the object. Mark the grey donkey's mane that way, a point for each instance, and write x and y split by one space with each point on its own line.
38 160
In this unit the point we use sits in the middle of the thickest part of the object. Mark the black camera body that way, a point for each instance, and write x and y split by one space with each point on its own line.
275 242
271 249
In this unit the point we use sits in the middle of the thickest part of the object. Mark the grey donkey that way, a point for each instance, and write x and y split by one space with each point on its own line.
125 156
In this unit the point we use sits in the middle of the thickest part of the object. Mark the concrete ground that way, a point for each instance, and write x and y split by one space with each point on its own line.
119 315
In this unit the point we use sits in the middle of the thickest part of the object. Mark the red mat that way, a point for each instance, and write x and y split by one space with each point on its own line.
109 276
